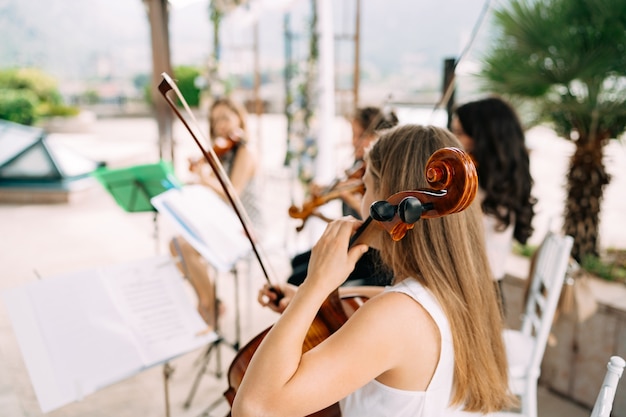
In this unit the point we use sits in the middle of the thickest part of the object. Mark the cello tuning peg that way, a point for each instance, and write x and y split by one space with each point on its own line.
410 210
382 211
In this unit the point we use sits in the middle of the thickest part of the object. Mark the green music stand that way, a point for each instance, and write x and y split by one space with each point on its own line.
133 187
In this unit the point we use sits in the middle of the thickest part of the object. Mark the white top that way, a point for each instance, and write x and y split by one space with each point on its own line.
498 245
377 400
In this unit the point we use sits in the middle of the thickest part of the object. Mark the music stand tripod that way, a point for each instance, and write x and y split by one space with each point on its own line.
215 346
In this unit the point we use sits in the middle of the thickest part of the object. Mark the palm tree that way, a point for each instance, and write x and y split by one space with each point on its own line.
567 60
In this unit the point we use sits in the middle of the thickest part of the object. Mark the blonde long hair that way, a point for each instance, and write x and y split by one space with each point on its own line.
447 257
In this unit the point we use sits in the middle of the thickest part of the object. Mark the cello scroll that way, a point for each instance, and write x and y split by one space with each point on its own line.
452 175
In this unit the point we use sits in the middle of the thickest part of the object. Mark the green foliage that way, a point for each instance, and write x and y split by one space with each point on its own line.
524 250
611 267
611 270
18 106
566 60
28 94
567 57
32 79
61 110
186 79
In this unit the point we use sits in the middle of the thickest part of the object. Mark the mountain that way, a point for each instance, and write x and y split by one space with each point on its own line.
403 42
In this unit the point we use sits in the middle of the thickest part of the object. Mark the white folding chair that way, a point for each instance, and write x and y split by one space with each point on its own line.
525 347
604 402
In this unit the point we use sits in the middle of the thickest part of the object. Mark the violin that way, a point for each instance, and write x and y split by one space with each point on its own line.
221 146
356 171
452 177
331 192
309 207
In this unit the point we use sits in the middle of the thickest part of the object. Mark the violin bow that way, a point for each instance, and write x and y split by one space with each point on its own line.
167 85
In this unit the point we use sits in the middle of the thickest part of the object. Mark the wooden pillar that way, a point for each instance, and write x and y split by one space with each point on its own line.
158 17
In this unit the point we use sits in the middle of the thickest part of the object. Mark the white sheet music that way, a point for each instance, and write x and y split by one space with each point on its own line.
207 222
86 338
149 302
82 331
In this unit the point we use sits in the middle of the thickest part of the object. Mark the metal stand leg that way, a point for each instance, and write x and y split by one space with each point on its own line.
167 371
235 346
205 362
215 346
155 223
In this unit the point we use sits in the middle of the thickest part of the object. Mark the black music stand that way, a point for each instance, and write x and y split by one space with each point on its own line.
133 187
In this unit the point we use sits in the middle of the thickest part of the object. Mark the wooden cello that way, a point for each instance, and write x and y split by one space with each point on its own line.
453 180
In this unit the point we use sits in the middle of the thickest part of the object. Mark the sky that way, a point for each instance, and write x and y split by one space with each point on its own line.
403 42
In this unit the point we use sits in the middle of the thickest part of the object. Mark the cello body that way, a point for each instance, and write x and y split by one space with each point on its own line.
331 316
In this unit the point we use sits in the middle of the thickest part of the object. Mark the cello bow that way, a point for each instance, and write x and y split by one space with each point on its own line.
168 85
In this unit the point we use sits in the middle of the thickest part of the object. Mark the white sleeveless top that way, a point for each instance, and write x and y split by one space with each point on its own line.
377 400
498 244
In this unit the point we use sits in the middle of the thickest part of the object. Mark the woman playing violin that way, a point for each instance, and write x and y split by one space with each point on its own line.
429 345
227 130
367 124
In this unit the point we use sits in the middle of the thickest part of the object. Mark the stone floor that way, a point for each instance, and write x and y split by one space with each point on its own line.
39 241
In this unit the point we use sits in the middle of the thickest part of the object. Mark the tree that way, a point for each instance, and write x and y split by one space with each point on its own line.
566 59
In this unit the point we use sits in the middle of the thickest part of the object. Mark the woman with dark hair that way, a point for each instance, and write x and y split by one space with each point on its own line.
491 132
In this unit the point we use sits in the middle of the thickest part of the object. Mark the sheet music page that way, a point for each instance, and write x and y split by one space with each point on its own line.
151 299
207 222
87 341
85 330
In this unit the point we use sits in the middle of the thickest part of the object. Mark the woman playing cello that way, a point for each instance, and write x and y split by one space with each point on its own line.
429 345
